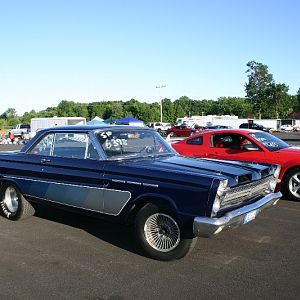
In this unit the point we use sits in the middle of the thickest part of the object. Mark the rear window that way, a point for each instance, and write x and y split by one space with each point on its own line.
196 141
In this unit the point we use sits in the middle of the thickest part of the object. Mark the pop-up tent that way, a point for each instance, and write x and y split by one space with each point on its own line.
130 121
110 120
96 121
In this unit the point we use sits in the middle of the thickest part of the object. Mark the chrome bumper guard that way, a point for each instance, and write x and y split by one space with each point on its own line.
207 227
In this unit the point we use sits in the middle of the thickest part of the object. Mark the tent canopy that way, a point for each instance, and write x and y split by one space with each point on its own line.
96 121
110 120
130 121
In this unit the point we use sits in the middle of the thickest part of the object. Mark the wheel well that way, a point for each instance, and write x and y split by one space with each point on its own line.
289 170
4 183
142 202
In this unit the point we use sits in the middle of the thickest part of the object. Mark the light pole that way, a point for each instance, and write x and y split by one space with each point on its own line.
161 110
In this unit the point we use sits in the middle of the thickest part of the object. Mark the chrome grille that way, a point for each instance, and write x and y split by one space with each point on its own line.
242 193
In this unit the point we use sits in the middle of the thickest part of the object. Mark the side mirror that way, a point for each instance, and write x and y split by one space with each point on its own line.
250 147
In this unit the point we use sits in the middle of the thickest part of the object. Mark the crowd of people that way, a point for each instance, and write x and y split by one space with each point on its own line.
9 139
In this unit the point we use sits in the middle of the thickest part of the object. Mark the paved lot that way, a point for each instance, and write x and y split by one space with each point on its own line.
58 255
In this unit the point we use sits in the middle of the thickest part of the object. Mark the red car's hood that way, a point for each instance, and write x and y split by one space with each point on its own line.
290 151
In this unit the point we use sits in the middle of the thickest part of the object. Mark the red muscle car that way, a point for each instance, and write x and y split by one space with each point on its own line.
248 145
183 130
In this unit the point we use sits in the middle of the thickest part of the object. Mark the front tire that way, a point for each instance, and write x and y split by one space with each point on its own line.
160 235
291 184
13 205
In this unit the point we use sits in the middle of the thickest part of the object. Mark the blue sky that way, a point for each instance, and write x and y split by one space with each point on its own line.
91 50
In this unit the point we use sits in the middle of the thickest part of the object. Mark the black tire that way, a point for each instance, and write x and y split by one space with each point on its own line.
159 234
291 184
13 205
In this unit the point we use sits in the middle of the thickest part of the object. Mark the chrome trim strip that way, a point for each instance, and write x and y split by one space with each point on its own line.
55 182
134 182
207 227
150 185
74 185
118 181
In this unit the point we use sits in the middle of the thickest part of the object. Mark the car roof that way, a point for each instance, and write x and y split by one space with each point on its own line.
92 127
226 131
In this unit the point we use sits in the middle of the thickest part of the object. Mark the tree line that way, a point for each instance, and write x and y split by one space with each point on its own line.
264 99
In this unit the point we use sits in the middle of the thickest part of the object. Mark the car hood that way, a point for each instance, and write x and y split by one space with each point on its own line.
290 151
236 172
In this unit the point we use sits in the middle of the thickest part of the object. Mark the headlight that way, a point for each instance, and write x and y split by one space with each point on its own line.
273 182
221 191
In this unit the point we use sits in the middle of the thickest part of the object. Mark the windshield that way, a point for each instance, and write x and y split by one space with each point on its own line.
126 143
271 142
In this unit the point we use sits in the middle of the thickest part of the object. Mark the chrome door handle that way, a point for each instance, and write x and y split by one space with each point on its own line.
45 160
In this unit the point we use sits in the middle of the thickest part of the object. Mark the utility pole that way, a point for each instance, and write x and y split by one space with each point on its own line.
161 110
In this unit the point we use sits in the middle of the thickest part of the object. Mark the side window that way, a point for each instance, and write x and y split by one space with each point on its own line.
92 152
235 142
223 141
72 145
43 146
217 141
195 141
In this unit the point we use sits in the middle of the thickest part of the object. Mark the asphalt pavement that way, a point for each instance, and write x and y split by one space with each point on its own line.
60 255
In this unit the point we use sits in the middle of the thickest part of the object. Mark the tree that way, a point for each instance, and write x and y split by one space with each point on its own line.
9 114
2 123
66 109
297 101
13 121
279 104
234 106
259 87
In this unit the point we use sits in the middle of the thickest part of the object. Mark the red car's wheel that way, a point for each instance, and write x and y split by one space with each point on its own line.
291 184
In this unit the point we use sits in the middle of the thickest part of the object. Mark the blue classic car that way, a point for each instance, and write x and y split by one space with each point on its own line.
131 175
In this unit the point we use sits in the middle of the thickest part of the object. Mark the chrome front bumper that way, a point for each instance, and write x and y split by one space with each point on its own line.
207 227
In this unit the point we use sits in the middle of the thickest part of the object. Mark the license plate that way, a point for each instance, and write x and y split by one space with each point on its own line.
250 216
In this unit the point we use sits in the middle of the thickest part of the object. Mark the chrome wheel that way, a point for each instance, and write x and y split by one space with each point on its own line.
162 232
294 185
11 199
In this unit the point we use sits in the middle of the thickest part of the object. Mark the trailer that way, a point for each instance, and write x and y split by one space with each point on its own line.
37 124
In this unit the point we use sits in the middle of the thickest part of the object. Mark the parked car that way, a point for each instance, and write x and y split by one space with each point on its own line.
183 130
255 127
286 127
160 126
20 130
131 175
248 145
213 127
296 128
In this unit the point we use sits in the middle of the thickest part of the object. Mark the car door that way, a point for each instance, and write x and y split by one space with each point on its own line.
73 173
232 146
193 147
26 171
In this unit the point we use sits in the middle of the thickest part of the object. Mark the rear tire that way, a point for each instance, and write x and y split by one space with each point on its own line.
291 184
159 234
13 205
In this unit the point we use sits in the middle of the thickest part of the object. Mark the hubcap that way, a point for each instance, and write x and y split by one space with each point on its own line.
294 185
162 232
11 199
